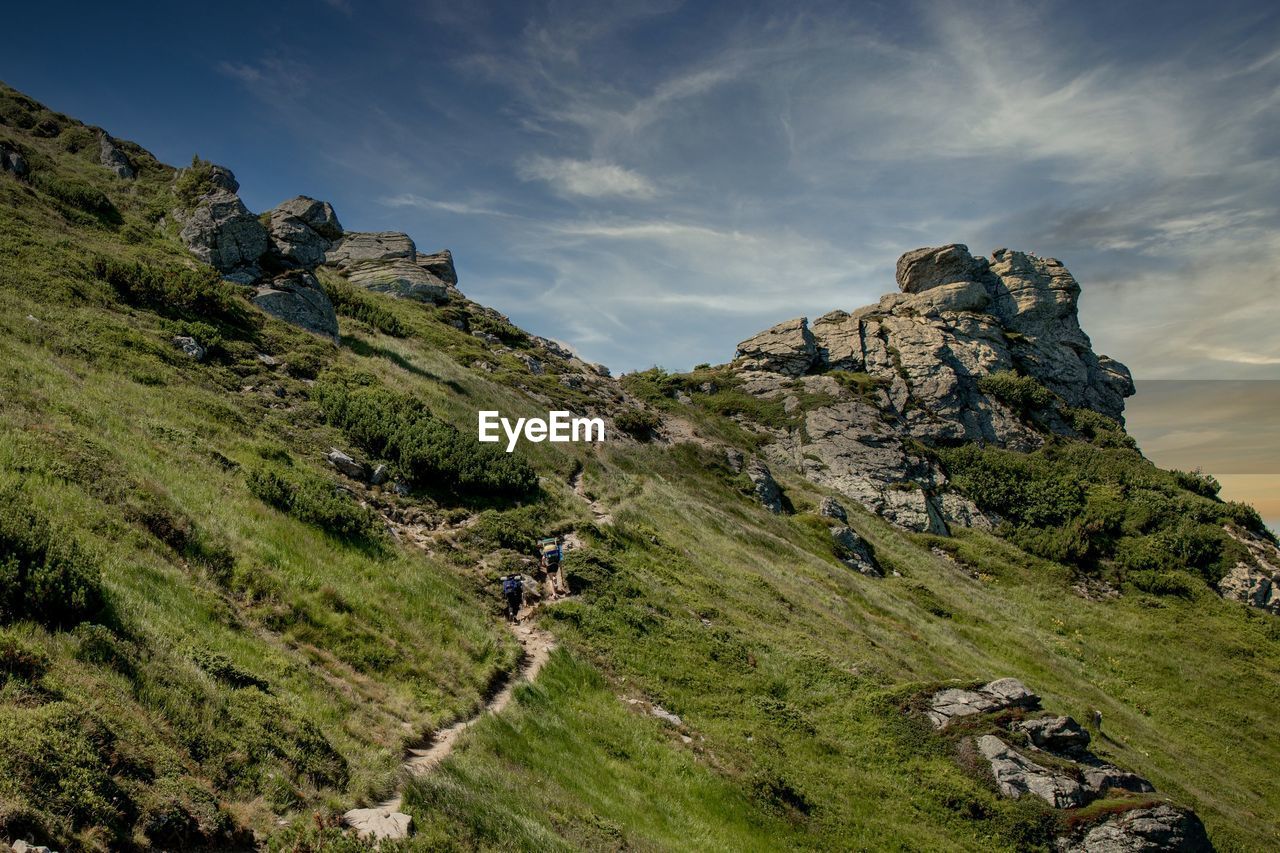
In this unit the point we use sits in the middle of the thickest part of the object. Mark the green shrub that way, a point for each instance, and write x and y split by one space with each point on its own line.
1021 393
193 182
79 195
174 291
637 423
45 575
224 669
19 659
314 500
1172 583
426 451
1198 481
350 301
862 384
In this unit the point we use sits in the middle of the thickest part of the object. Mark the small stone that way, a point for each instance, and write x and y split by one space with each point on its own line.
380 475
378 823
1017 775
831 508
346 465
666 716
189 347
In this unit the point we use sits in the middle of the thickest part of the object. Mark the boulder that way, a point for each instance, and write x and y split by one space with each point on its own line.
297 299
1160 828
295 240
357 246
440 265
113 158
224 234
766 489
189 347
788 348
1257 583
950 704
831 508
12 161
380 475
346 465
223 178
1056 734
854 552
376 824
316 215
923 269
397 277
1016 775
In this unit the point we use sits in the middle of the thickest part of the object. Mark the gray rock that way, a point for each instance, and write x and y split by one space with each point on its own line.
12 161
924 269
189 346
222 178
534 366
21 846
295 240
831 508
950 704
1148 830
316 215
788 348
440 265
1056 734
666 716
1016 775
401 489
1258 583
601 370
360 246
224 234
380 475
398 277
854 552
735 460
766 489
376 824
572 380
346 465
1100 777
113 158
296 298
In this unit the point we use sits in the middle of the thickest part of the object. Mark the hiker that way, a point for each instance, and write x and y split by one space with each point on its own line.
513 592
552 558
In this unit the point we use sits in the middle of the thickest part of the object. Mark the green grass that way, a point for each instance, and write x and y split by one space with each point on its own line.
256 659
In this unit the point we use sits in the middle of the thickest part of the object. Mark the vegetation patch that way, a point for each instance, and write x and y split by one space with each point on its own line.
45 574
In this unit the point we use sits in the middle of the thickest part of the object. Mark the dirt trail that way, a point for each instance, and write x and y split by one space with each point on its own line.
385 820
602 516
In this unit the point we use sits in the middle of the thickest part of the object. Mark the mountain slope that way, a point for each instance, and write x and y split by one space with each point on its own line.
269 635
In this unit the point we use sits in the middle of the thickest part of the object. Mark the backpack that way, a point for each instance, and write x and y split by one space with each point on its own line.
510 585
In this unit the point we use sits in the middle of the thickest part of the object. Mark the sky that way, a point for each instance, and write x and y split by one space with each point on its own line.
651 182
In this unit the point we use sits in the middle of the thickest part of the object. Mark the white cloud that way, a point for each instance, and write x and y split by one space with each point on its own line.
458 207
589 178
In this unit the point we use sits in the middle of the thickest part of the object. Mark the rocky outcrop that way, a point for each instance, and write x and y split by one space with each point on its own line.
302 230
1016 775
918 358
398 277
297 298
1255 583
189 346
766 489
1056 734
224 234
359 246
110 155
440 265
346 465
947 705
831 508
1162 828
788 348
854 552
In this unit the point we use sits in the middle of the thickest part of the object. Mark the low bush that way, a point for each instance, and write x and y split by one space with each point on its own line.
45 574
637 423
314 500
425 450
174 291
79 195
350 301
193 182
20 659
1021 393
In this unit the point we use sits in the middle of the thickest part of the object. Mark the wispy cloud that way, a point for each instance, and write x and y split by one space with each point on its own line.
459 207
589 178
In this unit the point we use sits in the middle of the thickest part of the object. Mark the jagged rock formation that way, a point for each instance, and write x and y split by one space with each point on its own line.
765 488
1056 734
918 357
947 705
854 552
113 158
387 262
302 230
1016 775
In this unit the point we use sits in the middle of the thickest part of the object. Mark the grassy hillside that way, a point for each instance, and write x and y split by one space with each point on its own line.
204 642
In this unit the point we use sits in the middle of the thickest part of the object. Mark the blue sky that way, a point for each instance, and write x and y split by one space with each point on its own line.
653 182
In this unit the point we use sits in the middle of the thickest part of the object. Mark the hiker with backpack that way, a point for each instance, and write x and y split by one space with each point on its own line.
513 592
552 559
